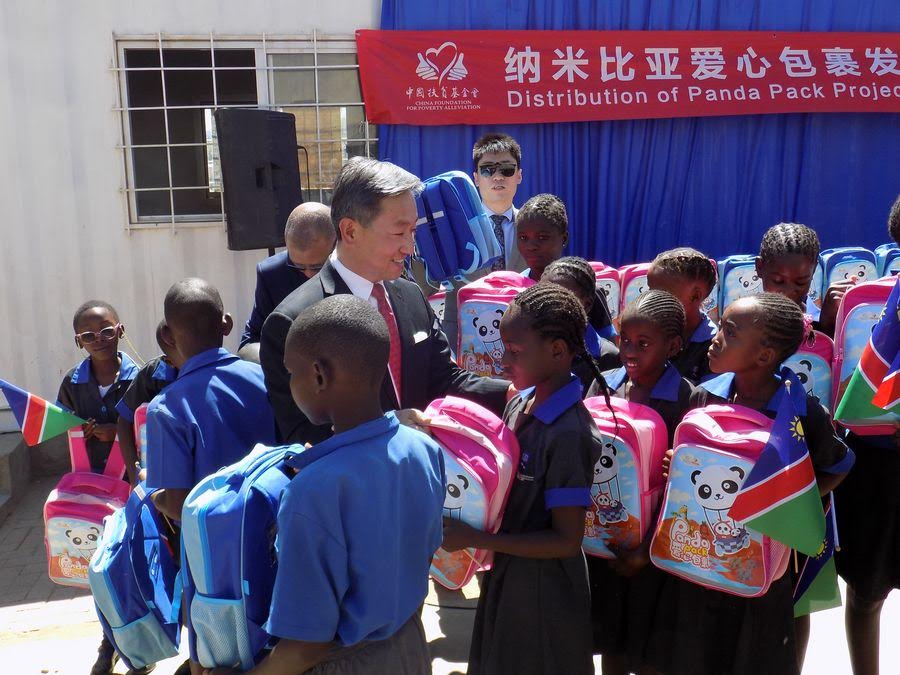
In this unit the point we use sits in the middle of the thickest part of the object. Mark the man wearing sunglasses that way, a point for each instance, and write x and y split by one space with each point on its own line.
309 236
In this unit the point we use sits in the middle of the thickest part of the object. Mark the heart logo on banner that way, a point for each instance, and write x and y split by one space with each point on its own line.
442 59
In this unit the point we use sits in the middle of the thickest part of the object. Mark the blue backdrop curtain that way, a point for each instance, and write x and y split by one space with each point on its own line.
634 188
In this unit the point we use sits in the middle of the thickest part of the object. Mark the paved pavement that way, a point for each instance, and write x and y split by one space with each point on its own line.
49 629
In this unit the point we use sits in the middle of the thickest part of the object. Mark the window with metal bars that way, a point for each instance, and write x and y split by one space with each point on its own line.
169 87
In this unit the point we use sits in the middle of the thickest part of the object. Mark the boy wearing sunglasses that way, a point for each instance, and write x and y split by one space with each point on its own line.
497 160
91 390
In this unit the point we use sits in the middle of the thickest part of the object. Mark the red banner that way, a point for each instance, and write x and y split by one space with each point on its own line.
491 77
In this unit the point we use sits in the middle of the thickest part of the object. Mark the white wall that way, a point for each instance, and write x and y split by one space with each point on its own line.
62 234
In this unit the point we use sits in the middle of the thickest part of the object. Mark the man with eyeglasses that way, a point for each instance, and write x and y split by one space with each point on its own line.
309 236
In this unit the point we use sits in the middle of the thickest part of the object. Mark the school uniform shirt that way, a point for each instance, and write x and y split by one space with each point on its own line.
533 614
671 396
357 529
150 380
212 415
692 362
80 394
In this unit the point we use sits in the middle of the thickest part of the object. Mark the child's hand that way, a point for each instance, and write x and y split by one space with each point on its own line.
457 535
831 302
105 432
629 563
667 463
88 428
414 418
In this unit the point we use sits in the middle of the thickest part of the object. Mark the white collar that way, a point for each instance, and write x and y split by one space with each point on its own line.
359 286
508 213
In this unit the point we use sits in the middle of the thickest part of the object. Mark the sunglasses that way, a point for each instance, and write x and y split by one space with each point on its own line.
506 170
105 334
314 269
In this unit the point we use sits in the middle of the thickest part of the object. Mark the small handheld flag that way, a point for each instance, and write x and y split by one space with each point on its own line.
875 385
816 587
38 419
780 497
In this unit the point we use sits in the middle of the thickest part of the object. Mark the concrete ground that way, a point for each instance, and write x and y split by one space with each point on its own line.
49 629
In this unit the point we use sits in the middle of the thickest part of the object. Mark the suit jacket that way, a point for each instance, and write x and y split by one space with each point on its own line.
274 282
427 370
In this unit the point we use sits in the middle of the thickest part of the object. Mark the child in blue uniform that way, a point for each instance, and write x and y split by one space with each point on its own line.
624 591
698 631
689 276
533 615
869 559
360 522
91 390
150 380
577 275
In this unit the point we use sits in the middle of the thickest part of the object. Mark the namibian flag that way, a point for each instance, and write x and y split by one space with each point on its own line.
780 498
875 385
38 419
816 587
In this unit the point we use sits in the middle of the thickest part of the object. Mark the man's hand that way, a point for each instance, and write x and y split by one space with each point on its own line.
414 418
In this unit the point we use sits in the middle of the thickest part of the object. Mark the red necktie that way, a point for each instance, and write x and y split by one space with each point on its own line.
384 308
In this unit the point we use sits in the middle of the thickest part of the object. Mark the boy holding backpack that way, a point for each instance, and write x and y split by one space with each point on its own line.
359 523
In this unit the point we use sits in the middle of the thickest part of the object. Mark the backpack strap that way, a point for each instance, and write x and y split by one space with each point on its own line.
115 463
78 455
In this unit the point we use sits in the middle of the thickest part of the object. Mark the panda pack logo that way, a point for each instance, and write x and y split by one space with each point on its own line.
444 70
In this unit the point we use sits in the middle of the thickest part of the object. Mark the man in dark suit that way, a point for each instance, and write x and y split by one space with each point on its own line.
374 212
309 237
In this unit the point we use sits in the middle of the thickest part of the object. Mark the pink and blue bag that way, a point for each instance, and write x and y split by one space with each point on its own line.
812 364
480 459
627 480
76 508
695 538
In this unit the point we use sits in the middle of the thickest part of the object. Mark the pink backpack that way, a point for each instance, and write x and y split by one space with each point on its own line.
633 281
860 310
812 364
695 539
75 509
608 282
438 301
140 433
628 476
480 306
480 459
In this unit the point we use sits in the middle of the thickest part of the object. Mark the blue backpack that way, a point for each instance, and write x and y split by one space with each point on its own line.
737 279
846 262
133 579
228 536
888 259
454 236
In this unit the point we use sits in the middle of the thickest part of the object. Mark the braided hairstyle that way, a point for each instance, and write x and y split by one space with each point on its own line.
578 270
556 314
787 239
894 221
545 208
687 263
660 308
782 322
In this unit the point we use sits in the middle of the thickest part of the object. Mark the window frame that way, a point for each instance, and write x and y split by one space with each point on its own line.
264 47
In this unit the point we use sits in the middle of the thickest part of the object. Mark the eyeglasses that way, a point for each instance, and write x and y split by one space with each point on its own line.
506 170
105 334
306 269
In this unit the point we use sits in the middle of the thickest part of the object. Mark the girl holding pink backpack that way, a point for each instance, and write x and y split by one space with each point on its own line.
700 631
624 590
534 611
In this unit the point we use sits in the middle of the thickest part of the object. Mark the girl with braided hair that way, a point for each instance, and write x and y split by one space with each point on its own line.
624 591
788 254
699 631
534 612
577 275
689 276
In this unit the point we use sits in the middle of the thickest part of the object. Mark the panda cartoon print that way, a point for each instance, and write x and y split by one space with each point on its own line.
715 488
83 539
605 492
456 496
487 327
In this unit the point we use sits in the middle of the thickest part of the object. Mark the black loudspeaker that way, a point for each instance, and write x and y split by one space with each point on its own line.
260 175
